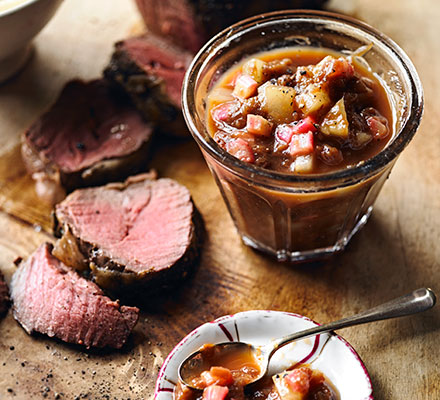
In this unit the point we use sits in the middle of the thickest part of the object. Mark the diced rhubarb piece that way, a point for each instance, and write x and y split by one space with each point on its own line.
257 125
299 380
285 132
301 144
233 79
240 149
286 391
218 376
333 68
378 126
223 112
215 392
341 68
305 125
245 87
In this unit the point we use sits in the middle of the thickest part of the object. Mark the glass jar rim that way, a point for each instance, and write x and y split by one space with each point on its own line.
353 174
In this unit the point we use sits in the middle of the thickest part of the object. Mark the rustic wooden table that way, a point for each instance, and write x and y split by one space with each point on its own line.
396 252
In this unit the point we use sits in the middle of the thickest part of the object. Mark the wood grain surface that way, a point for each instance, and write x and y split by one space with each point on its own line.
396 252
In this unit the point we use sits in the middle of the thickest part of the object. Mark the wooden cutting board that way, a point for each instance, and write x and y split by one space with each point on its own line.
395 253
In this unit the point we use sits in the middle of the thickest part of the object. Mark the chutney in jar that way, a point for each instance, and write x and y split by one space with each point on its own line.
301 111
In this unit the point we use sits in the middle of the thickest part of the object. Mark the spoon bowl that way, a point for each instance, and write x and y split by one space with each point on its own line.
191 368
239 354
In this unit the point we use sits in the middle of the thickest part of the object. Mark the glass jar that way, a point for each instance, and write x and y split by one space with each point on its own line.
301 217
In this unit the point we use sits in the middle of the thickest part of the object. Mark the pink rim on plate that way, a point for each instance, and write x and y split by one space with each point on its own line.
329 353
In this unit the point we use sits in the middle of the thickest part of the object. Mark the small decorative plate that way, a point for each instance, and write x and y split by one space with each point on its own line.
327 352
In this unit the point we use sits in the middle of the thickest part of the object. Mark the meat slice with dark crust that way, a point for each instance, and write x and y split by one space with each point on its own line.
91 135
140 234
190 23
4 296
51 298
151 71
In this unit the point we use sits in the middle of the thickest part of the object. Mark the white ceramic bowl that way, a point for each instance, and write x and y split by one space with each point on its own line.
20 21
328 353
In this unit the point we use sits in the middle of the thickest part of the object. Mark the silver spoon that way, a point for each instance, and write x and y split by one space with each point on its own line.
417 301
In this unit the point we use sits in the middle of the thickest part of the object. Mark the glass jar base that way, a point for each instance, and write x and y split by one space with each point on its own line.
308 255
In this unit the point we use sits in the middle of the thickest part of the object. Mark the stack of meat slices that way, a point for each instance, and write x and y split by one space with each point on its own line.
138 236
131 238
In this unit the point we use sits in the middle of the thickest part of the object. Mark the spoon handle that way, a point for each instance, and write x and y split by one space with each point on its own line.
417 301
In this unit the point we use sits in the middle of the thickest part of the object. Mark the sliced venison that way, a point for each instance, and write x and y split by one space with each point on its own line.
175 20
140 235
151 71
91 135
4 296
51 298
190 23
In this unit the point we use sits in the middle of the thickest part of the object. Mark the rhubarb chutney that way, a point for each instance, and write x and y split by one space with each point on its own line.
300 111
221 376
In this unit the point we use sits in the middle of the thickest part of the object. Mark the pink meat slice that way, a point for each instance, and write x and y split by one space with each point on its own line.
87 124
146 226
175 20
159 59
190 23
50 298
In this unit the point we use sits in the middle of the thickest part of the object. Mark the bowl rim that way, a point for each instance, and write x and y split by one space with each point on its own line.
19 6
352 175
194 332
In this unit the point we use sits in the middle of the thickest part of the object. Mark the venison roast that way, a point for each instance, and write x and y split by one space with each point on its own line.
139 236
90 136
151 71
190 23
53 299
